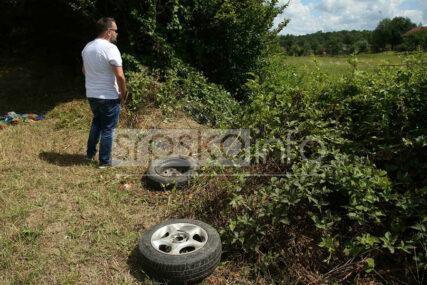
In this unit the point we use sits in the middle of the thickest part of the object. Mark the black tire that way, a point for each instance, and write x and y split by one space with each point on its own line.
186 166
185 268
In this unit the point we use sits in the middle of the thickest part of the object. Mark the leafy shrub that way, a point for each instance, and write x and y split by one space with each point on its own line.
188 90
415 40
365 200
179 88
386 118
341 193
141 88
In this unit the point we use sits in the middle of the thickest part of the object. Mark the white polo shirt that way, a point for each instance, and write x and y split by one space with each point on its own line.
98 57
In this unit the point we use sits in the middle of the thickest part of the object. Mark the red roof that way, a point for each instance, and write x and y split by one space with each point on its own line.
416 29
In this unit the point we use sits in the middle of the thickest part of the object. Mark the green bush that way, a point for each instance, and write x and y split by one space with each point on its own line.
341 193
142 86
365 200
179 88
415 40
188 90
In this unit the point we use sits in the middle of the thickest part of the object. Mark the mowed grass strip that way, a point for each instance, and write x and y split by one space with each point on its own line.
63 220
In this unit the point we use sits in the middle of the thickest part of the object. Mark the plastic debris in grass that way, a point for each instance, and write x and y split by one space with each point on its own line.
12 118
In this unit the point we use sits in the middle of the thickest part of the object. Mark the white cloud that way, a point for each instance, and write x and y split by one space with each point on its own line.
332 6
424 4
415 15
335 15
302 21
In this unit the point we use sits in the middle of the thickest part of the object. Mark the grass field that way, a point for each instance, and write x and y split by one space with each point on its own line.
336 66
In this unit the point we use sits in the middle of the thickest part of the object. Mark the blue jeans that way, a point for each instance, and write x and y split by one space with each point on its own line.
105 118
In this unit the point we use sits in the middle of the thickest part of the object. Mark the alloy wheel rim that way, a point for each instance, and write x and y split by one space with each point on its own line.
179 239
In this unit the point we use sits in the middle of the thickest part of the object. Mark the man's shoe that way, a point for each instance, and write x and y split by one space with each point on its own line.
113 163
90 159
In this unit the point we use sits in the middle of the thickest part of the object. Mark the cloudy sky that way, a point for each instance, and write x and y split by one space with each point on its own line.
310 16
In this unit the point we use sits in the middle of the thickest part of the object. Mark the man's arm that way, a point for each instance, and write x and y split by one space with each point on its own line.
83 70
121 81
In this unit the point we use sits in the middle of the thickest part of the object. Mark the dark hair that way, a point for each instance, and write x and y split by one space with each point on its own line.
104 24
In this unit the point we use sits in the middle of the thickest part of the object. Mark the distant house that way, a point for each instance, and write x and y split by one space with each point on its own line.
416 29
283 48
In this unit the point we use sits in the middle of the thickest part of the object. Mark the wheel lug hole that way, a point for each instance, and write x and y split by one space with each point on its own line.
180 237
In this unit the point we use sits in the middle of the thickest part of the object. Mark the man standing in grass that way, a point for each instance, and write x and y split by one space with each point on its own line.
105 89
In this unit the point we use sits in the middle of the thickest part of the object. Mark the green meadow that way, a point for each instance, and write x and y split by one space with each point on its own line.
336 66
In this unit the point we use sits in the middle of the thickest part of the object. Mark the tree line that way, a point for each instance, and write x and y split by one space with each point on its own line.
388 35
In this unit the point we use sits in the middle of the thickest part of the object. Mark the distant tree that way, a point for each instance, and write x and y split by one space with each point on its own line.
382 34
287 41
301 41
400 25
415 40
307 50
348 38
333 42
295 50
389 32
334 46
360 46
316 47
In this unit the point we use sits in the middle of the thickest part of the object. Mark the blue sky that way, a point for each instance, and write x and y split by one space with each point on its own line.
310 16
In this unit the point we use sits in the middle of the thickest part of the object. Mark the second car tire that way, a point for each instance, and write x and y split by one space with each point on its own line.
169 171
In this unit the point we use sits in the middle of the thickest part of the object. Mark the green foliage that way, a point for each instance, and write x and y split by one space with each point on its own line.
416 40
390 31
340 191
188 90
295 50
334 47
48 29
386 119
222 38
366 198
360 46
382 34
387 35
329 42
179 88
141 88
370 264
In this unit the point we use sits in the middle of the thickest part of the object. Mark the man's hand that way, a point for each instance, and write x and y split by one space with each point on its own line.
122 98
121 81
